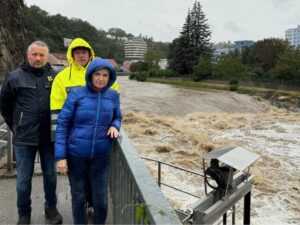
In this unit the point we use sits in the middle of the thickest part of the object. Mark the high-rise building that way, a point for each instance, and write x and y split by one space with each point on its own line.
135 49
293 36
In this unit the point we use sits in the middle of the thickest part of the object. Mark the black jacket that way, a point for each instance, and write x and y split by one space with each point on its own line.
25 104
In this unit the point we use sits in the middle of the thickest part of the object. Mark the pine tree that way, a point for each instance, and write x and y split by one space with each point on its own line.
194 41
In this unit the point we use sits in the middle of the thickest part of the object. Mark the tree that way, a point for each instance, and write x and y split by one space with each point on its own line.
265 53
230 66
203 69
176 56
193 43
117 32
287 66
139 67
152 58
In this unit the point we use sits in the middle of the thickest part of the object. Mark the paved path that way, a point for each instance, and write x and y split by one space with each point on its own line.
8 210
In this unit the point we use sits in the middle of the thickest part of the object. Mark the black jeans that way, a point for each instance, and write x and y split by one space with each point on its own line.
97 171
25 156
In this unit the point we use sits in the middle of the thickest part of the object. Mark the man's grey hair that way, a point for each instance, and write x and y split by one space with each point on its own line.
38 43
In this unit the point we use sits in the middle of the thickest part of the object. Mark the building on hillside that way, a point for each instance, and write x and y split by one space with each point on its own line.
243 44
109 36
222 51
58 61
292 35
135 49
126 66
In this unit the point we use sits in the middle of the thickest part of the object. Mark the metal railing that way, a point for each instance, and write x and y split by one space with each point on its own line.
159 172
135 196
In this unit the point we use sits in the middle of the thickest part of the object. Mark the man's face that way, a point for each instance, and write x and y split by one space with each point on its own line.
37 56
81 56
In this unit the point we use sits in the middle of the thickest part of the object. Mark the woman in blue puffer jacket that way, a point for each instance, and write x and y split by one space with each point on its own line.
89 120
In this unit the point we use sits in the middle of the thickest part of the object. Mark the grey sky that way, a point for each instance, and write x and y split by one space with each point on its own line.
229 20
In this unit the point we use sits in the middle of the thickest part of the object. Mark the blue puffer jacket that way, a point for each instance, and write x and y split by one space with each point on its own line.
86 116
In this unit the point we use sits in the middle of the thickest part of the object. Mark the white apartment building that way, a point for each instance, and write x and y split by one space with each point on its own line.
293 36
135 49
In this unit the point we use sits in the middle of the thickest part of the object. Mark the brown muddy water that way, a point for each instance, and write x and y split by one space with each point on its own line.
179 126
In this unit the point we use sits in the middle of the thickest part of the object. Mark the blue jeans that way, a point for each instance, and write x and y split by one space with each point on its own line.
97 171
25 157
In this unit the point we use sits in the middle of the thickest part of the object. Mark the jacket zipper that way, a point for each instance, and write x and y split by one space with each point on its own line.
97 117
20 120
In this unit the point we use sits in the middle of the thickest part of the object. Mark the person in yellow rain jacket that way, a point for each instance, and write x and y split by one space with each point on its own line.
79 56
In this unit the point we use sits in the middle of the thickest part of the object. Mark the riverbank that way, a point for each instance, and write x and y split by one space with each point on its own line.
286 99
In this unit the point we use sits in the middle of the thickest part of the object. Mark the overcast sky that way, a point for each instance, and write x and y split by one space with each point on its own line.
229 20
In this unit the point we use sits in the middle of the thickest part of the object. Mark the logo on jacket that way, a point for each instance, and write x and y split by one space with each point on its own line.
50 78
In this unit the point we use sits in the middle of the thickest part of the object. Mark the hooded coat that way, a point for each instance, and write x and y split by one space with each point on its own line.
86 117
70 77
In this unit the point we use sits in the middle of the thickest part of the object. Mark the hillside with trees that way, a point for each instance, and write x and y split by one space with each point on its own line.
53 28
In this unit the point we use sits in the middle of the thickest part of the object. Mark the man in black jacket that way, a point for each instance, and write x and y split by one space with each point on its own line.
25 107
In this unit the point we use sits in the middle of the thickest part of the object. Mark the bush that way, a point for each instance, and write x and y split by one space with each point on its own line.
153 72
139 67
168 73
233 87
132 76
233 84
141 76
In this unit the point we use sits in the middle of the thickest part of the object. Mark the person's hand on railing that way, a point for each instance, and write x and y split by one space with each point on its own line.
62 166
113 132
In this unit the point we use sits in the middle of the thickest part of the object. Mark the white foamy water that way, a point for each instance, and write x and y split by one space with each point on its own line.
217 119
274 136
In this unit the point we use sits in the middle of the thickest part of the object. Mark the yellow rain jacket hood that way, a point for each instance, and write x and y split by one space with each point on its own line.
70 77
78 42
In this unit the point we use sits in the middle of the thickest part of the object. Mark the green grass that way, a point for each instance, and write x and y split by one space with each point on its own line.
241 90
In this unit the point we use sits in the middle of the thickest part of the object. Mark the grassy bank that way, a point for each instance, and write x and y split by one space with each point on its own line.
226 87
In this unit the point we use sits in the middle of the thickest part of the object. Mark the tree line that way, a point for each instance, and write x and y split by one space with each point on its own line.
53 28
191 56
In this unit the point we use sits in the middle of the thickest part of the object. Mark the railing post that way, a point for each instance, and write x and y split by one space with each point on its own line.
225 219
233 215
247 208
159 174
9 151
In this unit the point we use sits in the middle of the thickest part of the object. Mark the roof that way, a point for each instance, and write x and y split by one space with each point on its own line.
57 59
115 64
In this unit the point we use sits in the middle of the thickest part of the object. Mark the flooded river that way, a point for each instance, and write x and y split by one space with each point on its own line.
179 126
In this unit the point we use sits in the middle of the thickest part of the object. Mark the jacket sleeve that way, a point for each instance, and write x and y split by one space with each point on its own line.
7 100
115 87
57 100
64 126
117 118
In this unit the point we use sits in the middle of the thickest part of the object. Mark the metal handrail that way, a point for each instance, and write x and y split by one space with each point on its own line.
159 163
133 189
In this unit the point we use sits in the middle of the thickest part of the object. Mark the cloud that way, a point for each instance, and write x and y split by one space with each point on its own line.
283 4
232 27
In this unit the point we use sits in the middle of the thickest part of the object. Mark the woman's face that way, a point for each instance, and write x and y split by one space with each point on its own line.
100 78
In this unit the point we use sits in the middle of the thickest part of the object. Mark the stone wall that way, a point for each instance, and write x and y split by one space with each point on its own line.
13 24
